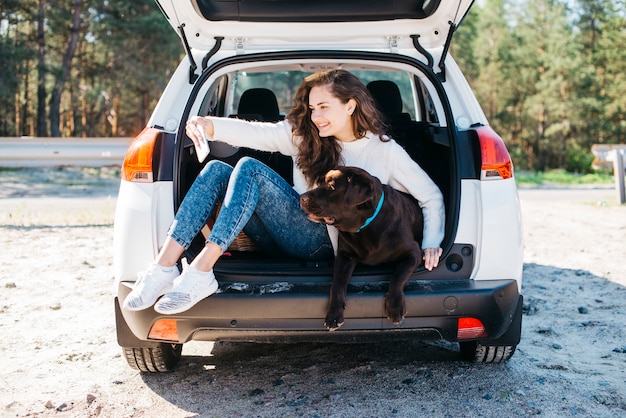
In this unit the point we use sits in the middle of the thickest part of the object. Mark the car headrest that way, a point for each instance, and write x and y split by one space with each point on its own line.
259 101
386 95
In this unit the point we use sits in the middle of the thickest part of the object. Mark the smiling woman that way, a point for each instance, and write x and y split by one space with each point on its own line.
331 115
333 104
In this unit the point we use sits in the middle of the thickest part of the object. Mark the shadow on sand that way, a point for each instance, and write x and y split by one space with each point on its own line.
567 313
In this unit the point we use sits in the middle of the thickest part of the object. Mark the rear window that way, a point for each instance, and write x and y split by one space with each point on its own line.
282 83
285 83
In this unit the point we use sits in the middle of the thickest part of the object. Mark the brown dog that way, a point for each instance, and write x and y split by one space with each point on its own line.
376 224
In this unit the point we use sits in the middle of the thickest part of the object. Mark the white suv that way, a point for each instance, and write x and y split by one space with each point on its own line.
245 59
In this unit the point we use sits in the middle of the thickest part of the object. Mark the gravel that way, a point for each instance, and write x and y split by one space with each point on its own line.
61 358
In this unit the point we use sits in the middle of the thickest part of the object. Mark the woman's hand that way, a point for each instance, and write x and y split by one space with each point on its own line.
431 257
199 122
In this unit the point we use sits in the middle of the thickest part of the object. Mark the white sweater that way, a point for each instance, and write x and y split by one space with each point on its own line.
386 160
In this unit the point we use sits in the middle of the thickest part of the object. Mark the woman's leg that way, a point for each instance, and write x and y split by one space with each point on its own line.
253 188
262 203
194 211
199 203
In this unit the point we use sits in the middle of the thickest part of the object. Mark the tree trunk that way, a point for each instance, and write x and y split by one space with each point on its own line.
66 65
22 122
115 107
41 70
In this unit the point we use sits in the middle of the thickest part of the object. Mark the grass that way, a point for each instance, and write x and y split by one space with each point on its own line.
561 177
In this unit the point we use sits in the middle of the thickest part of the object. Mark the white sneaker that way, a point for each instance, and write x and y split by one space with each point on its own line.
150 284
189 288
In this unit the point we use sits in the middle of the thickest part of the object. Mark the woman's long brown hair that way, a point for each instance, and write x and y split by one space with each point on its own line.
317 155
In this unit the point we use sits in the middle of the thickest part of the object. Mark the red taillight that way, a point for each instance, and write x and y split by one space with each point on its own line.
470 328
496 161
138 161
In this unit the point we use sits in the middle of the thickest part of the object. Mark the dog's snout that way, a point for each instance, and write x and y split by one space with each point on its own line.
304 199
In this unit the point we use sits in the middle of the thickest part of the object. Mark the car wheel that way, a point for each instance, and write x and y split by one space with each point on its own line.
478 353
162 358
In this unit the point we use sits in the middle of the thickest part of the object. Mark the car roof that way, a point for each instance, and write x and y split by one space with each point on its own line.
323 24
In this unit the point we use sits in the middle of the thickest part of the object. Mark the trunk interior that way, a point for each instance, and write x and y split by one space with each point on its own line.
425 140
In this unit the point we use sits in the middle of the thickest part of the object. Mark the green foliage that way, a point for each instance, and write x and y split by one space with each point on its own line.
561 177
125 55
551 78
12 70
140 51
550 74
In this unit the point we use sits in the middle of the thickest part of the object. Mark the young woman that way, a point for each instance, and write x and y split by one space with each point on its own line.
334 122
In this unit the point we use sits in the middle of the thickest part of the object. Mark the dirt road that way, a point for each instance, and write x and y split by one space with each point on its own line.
60 356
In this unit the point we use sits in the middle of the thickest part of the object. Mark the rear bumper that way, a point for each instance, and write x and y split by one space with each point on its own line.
297 313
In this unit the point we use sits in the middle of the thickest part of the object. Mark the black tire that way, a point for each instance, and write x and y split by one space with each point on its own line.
162 358
478 353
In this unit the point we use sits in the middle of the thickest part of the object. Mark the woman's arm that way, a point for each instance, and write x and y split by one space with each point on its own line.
262 136
408 175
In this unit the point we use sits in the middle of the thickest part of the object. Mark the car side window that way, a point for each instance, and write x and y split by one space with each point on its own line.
428 111
213 101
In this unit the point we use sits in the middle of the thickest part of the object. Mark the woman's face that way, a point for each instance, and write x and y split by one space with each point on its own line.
330 115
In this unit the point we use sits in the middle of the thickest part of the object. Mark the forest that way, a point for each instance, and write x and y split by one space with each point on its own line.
549 74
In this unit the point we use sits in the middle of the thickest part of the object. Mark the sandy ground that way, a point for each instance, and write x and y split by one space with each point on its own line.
60 356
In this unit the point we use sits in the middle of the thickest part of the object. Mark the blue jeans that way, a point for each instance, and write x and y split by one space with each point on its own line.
258 201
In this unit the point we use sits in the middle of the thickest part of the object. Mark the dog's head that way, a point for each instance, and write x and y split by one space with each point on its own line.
348 197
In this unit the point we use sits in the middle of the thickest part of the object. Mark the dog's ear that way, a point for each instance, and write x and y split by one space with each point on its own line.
360 190
331 177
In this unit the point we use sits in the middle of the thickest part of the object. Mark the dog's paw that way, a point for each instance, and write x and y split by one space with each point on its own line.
334 319
395 308
334 316
332 325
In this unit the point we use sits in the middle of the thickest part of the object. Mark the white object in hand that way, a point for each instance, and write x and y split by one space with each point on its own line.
202 149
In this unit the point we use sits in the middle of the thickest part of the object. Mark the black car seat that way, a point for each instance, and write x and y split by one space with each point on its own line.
389 101
417 137
258 104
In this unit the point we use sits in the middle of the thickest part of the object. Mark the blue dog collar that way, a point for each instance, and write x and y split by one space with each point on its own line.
371 218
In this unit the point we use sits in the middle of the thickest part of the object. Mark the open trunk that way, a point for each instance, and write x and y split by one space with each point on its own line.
414 111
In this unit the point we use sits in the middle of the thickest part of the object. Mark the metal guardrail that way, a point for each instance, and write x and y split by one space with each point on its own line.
52 152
